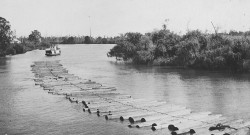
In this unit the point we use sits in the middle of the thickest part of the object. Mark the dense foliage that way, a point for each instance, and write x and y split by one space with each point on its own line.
19 48
5 35
194 49
69 40
9 45
87 40
81 40
220 51
35 37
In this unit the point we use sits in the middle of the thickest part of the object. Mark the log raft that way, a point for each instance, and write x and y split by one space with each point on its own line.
106 102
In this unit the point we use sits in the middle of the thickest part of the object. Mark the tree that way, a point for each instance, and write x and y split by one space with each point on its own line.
98 40
70 40
87 40
146 42
35 37
5 35
133 38
104 40
165 42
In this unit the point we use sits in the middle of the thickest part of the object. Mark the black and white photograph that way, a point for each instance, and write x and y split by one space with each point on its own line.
124 67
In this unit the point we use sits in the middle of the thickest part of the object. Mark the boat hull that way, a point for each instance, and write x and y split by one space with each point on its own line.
52 54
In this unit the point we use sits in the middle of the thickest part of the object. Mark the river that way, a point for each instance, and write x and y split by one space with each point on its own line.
27 109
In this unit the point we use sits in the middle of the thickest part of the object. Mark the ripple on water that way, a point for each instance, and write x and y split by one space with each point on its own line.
27 109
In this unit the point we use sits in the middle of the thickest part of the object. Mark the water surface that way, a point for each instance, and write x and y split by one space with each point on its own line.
27 109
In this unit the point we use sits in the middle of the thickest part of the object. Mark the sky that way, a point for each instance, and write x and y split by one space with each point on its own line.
114 17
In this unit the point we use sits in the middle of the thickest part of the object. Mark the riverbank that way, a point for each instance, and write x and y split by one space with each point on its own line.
20 48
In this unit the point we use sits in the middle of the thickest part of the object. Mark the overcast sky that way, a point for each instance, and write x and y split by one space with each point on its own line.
112 17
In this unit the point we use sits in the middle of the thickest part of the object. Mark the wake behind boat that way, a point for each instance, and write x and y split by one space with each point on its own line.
53 51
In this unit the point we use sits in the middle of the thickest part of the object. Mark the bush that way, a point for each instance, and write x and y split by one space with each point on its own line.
143 57
10 51
44 45
20 48
194 49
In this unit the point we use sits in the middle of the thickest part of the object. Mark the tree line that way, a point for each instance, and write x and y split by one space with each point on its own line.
80 40
9 44
195 49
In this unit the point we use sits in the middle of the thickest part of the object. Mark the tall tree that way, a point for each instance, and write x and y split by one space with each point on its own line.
5 35
35 36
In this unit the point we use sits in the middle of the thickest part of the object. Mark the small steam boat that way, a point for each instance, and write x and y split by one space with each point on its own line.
54 50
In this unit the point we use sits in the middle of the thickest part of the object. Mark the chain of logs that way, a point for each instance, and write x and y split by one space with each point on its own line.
110 104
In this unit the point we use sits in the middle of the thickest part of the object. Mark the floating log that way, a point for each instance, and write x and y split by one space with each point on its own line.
146 104
73 99
242 129
65 88
213 120
118 113
54 84
94 102
86 85
136 108
165 108
93 98
118 108
191 121
162 117
208 122
124 117
104 104
112 109
84 93
59 87
100 90
120 104
197 121
230 126
126 113
145 118
164 124
119 100
106 101
77 90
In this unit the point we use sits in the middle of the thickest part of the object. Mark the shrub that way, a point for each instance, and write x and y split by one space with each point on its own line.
11 51
20 48
194 49
143 57
44 45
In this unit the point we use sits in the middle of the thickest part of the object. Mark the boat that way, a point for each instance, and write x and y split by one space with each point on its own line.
53 51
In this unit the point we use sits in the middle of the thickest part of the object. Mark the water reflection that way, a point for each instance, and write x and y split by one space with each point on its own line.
27 109
219 92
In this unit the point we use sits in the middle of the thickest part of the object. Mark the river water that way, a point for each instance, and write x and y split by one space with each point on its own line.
27 109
